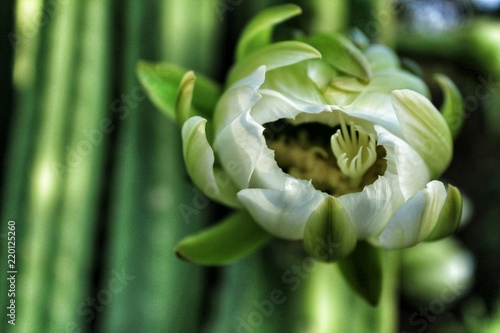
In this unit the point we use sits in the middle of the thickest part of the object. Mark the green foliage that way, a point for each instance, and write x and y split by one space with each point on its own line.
229 240
162 82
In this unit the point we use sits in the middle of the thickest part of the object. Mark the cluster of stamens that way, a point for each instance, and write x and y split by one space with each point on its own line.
355 150
337 164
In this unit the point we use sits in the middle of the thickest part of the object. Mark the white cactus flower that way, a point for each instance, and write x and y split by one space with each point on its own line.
318 140
306 146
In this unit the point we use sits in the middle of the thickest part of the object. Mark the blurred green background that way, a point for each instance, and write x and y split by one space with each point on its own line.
92 174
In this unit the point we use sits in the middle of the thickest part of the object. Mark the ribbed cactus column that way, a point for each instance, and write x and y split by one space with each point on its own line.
79 211
56 169
150 188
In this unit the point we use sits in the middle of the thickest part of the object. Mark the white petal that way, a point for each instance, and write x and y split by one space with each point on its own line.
371 209
283 212
238 98
242 145
415 219
404 161
199 158
294 83
274 105
373 101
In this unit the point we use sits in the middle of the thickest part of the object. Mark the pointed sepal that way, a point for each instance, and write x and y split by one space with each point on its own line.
453 105
161 82
273 56
258 32
342 54
329 234
449 218
224 243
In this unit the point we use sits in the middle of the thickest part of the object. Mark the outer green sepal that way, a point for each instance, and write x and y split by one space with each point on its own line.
342 54
258 32
228 241
449 218
161 82
329 234
424 129
273 56
363 272
453 105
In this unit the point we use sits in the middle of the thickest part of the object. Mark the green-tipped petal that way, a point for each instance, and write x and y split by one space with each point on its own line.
283 213
162 80
362 270
199 158
258 31
228 241
373 101
415 219
450 216
185 97
424 129
273 56
329 234
453 105
342 54
294 83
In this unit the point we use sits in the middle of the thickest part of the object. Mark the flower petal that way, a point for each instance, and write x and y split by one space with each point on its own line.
320 73
273 106
379 201
199 158
242 144
403 160
415 219
373 101
238 98
294 83
329 234
424 129
284 212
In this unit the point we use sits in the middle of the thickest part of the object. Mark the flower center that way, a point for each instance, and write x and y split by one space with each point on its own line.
338 160
354 149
